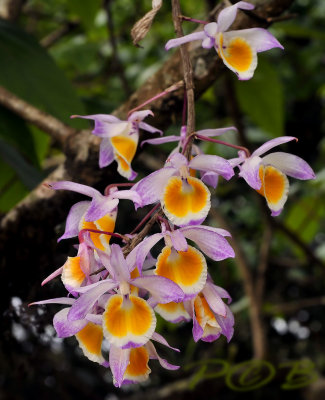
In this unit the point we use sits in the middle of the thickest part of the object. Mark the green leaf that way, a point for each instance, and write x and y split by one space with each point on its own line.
305 217
28 71
85 10
262 99
14 193
28 174
16 133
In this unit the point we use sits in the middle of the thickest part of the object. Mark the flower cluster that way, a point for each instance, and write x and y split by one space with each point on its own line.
115 291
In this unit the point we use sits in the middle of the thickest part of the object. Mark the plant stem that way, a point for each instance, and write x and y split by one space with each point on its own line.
188 74
207 139
170 89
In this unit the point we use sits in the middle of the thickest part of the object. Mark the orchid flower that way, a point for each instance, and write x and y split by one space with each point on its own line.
237 49
181 263
267 174
128 320
119 139
184 199
211 316
98 214
131 365
88 330
77 271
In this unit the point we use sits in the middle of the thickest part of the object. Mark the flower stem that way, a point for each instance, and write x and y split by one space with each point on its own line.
109 187
207 139
188 74
165 221
145 218
198 21
170 89
117 235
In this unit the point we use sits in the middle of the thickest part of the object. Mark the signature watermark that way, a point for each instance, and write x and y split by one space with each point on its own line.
253 374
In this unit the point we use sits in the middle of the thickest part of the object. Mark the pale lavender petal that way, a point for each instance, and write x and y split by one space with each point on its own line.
211 29
149 262
208 43
177 160
58 300
153 354
74 187
178 240
85 289
118 361
128 195
140 115
212 163
161 140
64 327
83 305
151 188
216 132
119 265
234 162
162 289
52 276
210 179
74 217
211 243
100 206
276 213
222 292
197 330
250 172
226 324
95 318
290 165
228 14
149 128
214 300
272 143
139 253
260 39
100 117
185 39
106 153
158 338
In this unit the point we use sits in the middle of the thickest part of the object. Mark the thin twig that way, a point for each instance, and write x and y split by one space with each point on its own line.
187 70
46 122
263 263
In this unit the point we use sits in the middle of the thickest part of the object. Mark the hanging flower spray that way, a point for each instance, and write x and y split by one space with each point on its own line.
116 290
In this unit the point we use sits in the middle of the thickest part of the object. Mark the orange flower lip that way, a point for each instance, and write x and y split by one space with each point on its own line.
128 322
185 200
186 268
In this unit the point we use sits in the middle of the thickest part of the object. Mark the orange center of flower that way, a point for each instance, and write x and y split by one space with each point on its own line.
91 338
238 53
274 184
184 267
138 365
182 197
129 316
107 224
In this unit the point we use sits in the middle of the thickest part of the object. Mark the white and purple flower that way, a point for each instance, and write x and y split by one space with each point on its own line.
267 174
119 139
237 49
184 198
